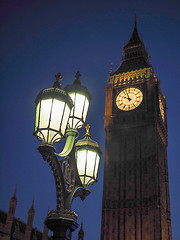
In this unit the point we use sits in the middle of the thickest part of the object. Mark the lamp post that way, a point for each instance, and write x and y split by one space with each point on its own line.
59 114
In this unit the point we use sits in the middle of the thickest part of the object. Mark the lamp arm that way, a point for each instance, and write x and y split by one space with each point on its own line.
48 153
71 134
78 190
68 183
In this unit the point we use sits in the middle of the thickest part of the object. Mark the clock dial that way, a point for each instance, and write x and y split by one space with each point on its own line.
129 99
161 107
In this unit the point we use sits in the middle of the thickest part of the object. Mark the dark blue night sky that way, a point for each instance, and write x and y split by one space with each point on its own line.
39 39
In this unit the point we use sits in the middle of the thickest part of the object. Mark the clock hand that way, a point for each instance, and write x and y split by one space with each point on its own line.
127 96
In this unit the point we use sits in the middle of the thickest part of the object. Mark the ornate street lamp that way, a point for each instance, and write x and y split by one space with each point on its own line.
60 113
53 106
88 155
81 99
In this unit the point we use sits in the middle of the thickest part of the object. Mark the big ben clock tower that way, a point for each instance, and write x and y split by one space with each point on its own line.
136 189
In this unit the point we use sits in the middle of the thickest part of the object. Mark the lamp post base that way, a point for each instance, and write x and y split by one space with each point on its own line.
61 225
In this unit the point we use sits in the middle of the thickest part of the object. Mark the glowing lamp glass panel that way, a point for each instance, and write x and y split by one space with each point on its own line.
91 157
87 164
45 113
65 119
51 119
96 166
37 117
79 111
86 107
81 162
56 114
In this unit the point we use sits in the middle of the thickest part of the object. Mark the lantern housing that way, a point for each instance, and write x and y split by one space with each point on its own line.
88 154
81 99
53 106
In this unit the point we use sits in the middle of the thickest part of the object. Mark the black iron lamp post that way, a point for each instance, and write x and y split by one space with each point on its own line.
59 114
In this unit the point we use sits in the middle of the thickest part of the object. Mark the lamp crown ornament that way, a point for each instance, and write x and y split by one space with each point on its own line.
57 83
77 76
87 130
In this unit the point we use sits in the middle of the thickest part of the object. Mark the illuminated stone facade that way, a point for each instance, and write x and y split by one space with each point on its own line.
136 189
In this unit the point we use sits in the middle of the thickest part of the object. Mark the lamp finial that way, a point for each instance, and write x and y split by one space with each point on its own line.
57 83
77 76
87 130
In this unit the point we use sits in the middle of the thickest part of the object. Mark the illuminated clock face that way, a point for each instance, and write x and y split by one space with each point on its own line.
161 107
129 99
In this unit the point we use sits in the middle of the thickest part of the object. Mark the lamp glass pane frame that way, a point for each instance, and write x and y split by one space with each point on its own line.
87 165
55 114
79 112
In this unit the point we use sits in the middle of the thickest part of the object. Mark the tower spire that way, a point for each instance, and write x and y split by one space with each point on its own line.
11 212
30 219
32 207
135 55
135 20
81 232
14 195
